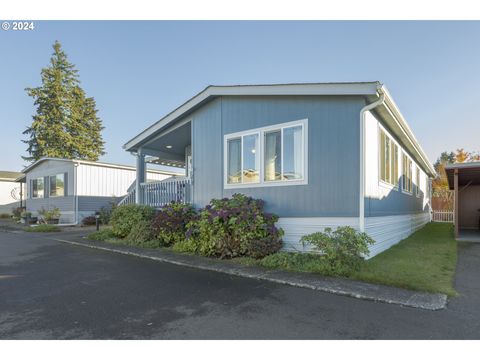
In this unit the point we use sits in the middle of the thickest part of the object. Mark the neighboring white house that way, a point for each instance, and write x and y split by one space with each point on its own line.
10 190
78 187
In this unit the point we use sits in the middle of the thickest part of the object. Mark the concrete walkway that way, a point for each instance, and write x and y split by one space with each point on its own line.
356 289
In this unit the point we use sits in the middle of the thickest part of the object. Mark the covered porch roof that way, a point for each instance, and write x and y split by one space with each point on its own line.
468 174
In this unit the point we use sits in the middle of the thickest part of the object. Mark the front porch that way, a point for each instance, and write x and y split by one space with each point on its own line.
171 148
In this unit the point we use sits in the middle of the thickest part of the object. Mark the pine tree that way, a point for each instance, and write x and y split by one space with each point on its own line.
66 124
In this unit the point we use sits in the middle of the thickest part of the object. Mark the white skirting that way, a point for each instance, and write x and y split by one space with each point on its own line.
389 230
385 230
295 228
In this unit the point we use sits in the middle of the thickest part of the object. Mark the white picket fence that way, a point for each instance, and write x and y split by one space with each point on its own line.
442 216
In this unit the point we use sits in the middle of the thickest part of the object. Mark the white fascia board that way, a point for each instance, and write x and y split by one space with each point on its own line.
393 108
364 88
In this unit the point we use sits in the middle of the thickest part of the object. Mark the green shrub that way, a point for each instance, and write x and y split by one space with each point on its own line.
47 215
43 228
89 220
186 246
169 225
142 235
17 212
304 262
106 212
343 249
101 235
5 216
235 227
125 217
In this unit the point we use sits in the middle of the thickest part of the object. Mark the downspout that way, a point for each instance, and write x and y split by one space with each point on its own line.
75 192
361 207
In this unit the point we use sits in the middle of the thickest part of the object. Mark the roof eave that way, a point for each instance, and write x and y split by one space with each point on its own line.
362 89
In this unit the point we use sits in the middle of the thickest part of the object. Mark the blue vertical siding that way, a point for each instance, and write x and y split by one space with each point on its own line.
396 203
207 153
333 138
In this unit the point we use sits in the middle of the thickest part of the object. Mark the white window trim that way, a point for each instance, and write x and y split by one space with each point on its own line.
382 183
261 142
31 185
50 185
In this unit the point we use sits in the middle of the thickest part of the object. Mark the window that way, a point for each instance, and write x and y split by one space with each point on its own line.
406 173
243 163
388 159
37 188
417 181
57 185
266 156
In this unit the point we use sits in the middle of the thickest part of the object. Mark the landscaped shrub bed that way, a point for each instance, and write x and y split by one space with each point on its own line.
234 227
225 228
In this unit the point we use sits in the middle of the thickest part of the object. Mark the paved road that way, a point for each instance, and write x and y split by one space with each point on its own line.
50 290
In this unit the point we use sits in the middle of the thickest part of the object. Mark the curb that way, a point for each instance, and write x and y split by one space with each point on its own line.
344 287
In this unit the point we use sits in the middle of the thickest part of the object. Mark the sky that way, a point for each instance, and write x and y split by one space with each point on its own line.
139 71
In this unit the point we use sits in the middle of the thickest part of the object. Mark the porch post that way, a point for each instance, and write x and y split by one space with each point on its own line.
141 171
455 202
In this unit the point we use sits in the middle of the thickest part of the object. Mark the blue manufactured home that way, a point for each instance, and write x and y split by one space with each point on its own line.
326 154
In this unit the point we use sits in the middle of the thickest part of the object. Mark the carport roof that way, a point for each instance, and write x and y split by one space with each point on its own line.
468 173
9 175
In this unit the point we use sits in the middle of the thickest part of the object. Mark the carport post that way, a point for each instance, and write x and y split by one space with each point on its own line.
455 202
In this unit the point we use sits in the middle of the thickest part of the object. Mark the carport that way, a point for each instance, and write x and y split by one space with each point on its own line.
464 180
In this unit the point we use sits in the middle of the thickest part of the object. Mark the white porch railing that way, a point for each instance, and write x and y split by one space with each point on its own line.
442 216
160 193
163 192
129 198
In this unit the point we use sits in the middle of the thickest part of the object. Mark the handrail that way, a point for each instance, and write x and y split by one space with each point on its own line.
161 192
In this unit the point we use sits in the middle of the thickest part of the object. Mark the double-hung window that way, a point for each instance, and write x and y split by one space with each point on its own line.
406 173
388 159
57 185
273 155
37 188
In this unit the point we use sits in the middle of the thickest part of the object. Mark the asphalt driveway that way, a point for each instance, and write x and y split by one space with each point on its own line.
50 290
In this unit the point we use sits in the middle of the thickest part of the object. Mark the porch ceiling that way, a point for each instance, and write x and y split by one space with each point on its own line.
171 142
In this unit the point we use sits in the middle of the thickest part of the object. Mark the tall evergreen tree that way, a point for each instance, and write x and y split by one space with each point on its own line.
66 124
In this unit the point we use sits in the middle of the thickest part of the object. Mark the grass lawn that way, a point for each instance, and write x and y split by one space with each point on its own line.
424 261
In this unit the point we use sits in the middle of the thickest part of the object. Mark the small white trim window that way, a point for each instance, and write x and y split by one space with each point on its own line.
406 174
37 188
268 156
388 159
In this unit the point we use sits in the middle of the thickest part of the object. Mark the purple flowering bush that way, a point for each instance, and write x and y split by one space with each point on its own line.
169 225
234 227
